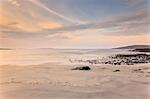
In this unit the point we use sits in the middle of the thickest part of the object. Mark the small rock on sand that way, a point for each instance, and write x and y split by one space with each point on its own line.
117 70
82 68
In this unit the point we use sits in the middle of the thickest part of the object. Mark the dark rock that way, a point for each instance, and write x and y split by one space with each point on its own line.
82 68
117 70
138 71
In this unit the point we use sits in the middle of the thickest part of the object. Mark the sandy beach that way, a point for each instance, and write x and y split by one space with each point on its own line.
54 80
74 49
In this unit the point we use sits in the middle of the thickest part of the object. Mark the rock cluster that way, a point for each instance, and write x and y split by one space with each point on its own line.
128 59
118 59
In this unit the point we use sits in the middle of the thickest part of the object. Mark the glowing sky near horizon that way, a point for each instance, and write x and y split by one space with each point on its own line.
73 23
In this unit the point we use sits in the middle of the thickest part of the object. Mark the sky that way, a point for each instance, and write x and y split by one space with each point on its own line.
73 23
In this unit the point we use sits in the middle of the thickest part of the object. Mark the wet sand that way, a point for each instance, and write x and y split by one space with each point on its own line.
58 81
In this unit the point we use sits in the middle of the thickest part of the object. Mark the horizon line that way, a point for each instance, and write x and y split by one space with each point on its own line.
71 48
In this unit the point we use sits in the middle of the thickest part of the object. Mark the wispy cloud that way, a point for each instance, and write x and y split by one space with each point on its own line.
38 3
14 2
27 20
130 24
129 21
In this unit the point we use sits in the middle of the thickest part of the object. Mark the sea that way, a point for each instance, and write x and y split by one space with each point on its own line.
40 56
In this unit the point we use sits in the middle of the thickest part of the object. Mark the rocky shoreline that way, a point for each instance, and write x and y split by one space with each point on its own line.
128 59
118 59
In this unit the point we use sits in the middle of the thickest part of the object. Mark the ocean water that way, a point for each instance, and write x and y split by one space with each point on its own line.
39 56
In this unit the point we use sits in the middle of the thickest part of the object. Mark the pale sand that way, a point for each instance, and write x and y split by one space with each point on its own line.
57 81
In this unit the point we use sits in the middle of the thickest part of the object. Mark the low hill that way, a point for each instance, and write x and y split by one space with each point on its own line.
135 47
5 49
